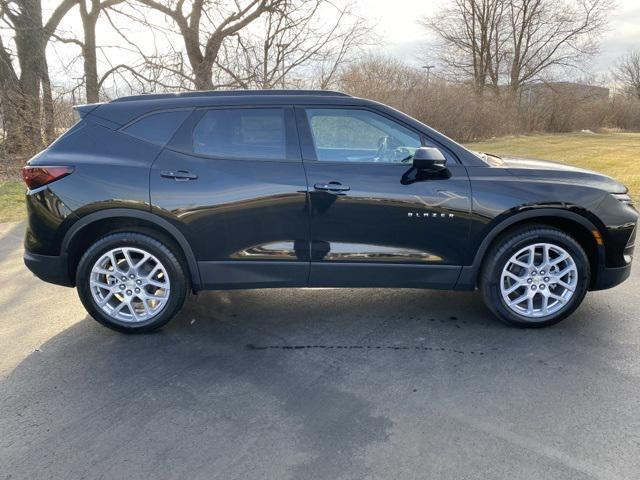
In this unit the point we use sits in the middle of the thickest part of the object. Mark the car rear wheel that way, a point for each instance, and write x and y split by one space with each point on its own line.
534 277
131 282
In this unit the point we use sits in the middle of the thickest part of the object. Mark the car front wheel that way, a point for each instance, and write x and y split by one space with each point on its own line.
131 282
535 277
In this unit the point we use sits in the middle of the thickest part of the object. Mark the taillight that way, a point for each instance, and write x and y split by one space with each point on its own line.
36 176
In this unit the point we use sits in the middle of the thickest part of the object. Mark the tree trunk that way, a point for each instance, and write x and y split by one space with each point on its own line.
202 77
20 95
9 102
47 106
30 49
89 20
203 72
12 120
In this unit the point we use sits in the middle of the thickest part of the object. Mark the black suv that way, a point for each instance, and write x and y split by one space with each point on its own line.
149 197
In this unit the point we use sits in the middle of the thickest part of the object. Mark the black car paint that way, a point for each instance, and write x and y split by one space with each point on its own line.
254 223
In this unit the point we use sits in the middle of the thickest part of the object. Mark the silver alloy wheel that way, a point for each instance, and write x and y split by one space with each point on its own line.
130 284
538 280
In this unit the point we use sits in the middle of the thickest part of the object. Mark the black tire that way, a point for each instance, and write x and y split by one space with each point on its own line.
175 272
507 246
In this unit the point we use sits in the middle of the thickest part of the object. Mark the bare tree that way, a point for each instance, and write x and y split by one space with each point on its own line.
164 68
516 42
207 24
304 43
471 43
544 34
21 84
90 11
627 73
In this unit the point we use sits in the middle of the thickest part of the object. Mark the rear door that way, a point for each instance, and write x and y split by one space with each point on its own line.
233 181
375 221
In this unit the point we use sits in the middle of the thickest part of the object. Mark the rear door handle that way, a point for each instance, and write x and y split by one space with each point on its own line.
178 175
332 187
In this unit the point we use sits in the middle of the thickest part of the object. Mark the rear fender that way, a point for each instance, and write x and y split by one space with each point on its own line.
161 223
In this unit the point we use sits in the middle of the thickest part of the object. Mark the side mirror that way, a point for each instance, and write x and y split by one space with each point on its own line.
429 158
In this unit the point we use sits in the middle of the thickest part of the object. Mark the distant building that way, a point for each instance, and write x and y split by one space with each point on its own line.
579 91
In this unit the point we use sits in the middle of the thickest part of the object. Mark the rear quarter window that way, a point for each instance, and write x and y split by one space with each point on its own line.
157 128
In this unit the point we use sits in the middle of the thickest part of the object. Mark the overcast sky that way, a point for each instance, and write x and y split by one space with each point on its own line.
399 31
405 38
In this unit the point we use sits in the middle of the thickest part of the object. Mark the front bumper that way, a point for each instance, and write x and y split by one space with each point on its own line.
52 269
620 265
610 277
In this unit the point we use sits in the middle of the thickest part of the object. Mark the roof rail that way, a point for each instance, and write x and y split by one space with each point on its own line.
229 93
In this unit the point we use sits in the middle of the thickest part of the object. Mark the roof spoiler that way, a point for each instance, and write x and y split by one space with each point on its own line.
83 110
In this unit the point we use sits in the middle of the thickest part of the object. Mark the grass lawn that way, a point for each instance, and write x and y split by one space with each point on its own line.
614 154
12 200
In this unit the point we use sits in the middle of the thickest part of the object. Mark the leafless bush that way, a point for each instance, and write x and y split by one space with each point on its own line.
456 110
627 72
624 113
453 109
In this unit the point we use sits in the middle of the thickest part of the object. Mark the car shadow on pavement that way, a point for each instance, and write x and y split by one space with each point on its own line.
280 383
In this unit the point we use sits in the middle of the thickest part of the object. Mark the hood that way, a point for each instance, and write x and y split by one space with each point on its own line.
545 170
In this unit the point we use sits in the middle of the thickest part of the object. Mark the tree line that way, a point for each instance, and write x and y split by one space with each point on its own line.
488 53
208 45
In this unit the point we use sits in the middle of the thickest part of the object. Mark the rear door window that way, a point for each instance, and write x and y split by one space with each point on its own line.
246 133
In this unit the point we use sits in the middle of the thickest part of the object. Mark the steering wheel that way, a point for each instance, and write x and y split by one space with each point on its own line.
383 148
390 150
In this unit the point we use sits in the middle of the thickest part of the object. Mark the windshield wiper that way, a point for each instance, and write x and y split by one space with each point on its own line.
484 156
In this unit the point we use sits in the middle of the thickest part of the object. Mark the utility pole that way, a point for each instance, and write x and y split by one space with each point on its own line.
283 48
428 69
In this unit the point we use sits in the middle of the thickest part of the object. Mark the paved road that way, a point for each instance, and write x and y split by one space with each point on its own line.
315 384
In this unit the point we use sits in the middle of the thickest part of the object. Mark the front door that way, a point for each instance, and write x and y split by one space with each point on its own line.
375 220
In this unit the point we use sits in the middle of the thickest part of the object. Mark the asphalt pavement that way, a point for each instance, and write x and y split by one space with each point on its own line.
315 384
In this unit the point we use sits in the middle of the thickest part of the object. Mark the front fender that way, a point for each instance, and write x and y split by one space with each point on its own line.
469 274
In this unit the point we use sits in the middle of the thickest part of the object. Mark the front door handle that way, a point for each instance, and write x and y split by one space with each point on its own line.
178 175
332 187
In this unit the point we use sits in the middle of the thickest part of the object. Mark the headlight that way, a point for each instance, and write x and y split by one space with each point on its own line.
624 198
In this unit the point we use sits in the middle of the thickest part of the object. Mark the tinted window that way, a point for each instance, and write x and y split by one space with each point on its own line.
360 136
159 127
241 133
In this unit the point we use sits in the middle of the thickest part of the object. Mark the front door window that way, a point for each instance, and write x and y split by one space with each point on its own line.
355 135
